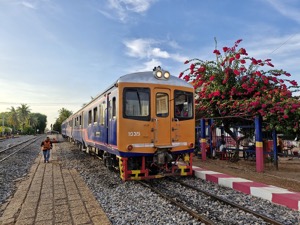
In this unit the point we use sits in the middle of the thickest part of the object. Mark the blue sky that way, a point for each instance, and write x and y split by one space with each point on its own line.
60 53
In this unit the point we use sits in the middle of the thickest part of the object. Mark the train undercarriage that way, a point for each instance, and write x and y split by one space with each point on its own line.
162 163
148 167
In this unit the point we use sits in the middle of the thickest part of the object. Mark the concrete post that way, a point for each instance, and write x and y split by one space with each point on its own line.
203 139
275 156
259 145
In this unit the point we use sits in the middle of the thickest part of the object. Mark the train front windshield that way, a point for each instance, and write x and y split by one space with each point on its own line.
183 105
137 104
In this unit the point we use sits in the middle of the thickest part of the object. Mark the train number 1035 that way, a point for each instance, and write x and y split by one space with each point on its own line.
134 133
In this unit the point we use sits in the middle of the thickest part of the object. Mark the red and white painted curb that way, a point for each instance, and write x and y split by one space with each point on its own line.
273 194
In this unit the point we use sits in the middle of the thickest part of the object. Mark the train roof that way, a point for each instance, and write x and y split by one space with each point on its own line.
148 77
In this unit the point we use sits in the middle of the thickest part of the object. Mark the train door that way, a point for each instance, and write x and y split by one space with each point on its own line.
162 117
111 120
81 125
107 117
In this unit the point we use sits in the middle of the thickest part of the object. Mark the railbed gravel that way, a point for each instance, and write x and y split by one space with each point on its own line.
274 211
123 202
130 203
16 167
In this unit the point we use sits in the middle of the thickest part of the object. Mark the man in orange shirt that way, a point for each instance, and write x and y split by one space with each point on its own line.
46 147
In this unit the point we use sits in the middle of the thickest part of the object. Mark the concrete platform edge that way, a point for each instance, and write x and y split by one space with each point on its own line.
271 193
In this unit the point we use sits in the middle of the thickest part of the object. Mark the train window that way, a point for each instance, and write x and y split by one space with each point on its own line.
162 104
136 103
80 120
114 107
183 105
95 114
102 113
90 117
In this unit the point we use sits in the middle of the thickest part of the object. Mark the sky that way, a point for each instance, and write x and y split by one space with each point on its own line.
58 54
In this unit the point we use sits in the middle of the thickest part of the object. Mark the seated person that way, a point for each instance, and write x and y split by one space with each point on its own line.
222 144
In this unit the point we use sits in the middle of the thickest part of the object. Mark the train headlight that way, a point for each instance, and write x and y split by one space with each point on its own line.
166 75
160 73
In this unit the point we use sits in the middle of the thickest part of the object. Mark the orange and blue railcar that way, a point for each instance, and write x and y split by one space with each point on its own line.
143 125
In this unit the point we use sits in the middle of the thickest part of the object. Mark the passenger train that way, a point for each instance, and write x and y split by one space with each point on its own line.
143 125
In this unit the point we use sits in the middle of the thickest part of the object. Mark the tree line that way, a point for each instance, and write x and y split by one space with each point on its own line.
21 120
62 116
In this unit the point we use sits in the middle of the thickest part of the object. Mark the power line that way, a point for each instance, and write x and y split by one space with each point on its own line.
282 44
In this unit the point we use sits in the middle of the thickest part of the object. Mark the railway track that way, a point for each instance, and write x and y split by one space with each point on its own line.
14 148
199 212
174 201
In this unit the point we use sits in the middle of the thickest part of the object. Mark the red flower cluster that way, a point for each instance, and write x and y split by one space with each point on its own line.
236 84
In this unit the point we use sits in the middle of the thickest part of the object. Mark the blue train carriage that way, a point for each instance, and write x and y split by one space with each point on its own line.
66 128
143 125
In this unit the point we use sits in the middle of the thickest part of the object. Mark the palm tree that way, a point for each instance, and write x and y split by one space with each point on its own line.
64 114
23 112
33 121
13 118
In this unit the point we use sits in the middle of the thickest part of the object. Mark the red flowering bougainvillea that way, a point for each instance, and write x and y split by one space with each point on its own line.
235 84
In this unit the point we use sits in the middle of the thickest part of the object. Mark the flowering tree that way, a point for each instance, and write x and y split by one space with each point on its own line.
235 85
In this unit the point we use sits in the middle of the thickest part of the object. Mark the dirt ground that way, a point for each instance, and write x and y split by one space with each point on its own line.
287 176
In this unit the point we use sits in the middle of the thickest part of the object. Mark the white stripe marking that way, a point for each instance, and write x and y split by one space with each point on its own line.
202 174
267 192
228 181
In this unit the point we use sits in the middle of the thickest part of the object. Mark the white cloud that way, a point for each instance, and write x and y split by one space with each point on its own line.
147 48
156 52
28 4
124 7
138 6
287 8
139 47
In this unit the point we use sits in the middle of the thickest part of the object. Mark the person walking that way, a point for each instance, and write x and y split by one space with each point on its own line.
46 147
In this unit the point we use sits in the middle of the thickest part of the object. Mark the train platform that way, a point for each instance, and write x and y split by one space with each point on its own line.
52 195
271 193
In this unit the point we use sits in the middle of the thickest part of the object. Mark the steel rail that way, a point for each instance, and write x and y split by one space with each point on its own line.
194 214
13 146
265 218
30 142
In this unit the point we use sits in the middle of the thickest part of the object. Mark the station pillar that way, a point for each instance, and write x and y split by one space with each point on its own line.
275 155
203 139
259 145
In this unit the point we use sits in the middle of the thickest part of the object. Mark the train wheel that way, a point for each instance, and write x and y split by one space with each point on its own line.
82 147
107 160
110 163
